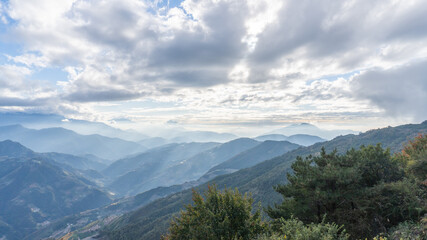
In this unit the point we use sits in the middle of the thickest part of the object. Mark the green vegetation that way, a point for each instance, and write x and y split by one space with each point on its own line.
414 157
221 215
365 190
294 229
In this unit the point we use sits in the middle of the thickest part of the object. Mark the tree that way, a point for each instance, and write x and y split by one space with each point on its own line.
365 190
221 215
414 157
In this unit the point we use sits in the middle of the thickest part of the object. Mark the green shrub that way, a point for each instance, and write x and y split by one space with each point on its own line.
294 229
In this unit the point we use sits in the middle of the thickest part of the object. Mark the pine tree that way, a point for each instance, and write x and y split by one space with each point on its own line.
365 190
220 215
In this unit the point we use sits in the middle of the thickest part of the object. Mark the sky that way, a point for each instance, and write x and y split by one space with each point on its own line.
220 65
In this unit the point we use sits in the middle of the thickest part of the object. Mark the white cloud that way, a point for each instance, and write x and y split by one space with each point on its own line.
30 60
400 91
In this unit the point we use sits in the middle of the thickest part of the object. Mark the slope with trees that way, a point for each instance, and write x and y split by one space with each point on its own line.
150 221
264 151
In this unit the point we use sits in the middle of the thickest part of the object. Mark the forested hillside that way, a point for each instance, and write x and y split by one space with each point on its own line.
151 221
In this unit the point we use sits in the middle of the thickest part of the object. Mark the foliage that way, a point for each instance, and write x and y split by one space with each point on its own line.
294 229
221 215
414 157
364 190
408 230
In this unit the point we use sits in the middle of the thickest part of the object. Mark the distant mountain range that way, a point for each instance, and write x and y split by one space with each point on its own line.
38 121
154 160
66 141
172 164
309 129
154 142
194 167
35 190
300 139
202 136
81 163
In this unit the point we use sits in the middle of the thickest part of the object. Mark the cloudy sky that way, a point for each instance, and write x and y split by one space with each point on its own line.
223 65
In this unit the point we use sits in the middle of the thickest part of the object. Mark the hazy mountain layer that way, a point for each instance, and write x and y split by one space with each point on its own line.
66 141
202 136
186 170
306 128
127 173
37 121
300 139
153 142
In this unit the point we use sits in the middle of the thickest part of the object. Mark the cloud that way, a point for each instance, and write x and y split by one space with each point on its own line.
331 37
193 46
20 102
400 91
201 42
17 90
217 58
29 60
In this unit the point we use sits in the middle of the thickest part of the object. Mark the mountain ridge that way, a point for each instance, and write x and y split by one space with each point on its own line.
310 129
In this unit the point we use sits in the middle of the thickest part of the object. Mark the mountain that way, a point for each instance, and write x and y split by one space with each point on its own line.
300 139
152 220
34 192
88 128
271 137
187 137
80 166
153 142
186 170
76 162
127 173
66 141
37 121
249 158
304 139
306 128
10 149
201 136
258 153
